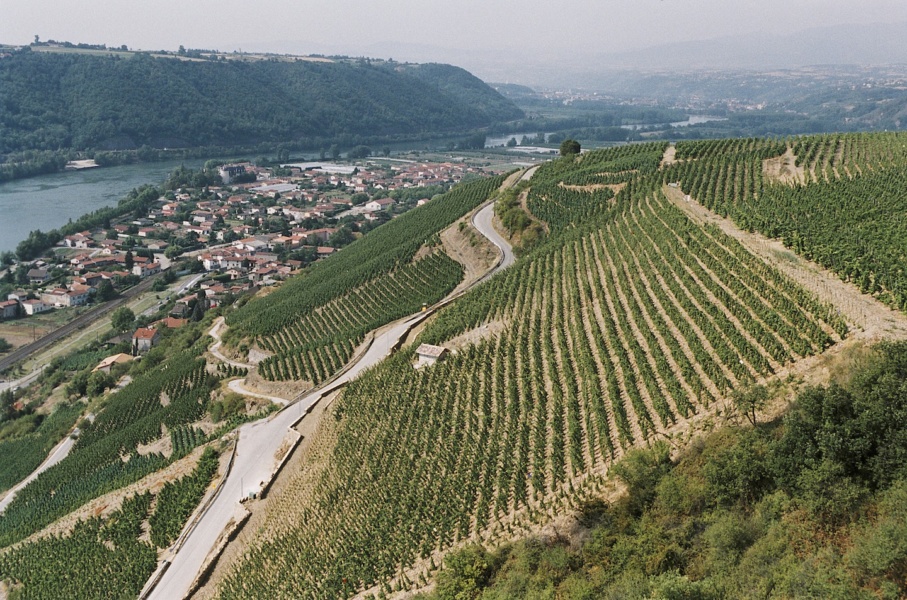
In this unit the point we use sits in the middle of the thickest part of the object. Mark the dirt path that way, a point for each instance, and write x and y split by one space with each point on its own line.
869 319
669 157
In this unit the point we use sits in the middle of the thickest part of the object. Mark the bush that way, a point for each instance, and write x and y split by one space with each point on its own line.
466 572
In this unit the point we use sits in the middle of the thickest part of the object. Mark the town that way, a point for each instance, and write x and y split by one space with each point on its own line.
256 227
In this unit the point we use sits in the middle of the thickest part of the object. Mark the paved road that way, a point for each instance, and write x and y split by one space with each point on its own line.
258 443
482 222
59 452
255 464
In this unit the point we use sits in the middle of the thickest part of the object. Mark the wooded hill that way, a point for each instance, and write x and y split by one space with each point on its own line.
52 101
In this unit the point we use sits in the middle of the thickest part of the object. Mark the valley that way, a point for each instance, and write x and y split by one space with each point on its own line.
667 284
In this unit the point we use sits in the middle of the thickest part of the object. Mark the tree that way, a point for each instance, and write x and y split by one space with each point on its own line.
341 237
98 382
569 147
106 291
511 143
4 345
335 151
130 261
360 152
750 400
122 319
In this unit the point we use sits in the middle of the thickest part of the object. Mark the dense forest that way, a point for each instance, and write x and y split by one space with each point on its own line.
75 101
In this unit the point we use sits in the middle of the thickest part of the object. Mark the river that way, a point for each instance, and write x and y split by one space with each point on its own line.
50 201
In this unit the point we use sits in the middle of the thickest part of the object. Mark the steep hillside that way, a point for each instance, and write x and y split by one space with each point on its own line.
54 101
780 510
641 318
311 326
632 323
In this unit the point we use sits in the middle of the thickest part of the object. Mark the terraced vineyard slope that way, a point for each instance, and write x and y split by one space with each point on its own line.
631 323
311 326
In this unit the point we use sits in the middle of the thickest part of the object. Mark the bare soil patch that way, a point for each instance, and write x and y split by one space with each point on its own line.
463 243
669 157
162 446
594 187
280 389
474 336
784 169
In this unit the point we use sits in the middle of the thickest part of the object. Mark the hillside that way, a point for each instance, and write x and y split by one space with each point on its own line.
652 307
632 323
52 101
781 510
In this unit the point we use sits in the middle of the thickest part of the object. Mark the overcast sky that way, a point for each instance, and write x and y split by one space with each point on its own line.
425 29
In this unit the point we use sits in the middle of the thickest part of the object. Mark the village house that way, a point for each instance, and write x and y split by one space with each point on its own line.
34 307
38 276
380 204
65 298
146 270
144 339
78 240
9 309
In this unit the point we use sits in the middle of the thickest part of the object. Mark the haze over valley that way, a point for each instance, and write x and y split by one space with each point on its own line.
453 301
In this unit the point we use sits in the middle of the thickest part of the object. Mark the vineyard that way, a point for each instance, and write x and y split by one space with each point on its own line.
108 557
628 324
313 323
23 454
849 214
106 455
101 558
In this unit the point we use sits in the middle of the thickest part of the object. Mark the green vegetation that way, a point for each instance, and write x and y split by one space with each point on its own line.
100 558
178 499
846 212
53 101
314 322
25 442
569 146
628 320
106 456
813 506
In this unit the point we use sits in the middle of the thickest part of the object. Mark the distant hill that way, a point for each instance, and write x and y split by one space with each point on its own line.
871 44
51 101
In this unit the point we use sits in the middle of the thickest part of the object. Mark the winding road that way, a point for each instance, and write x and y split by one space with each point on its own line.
255 461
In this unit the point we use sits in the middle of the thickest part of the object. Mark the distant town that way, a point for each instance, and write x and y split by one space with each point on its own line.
260 226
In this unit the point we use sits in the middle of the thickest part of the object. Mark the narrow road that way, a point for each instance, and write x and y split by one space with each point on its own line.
59 452
237 386
255 461
215 348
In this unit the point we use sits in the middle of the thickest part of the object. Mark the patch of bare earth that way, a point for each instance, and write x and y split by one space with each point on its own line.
463 243
594 187
784 169
669 157
869 318
281 389
474 336
162 446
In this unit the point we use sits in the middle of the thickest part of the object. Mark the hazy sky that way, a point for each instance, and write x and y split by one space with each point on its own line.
423 30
